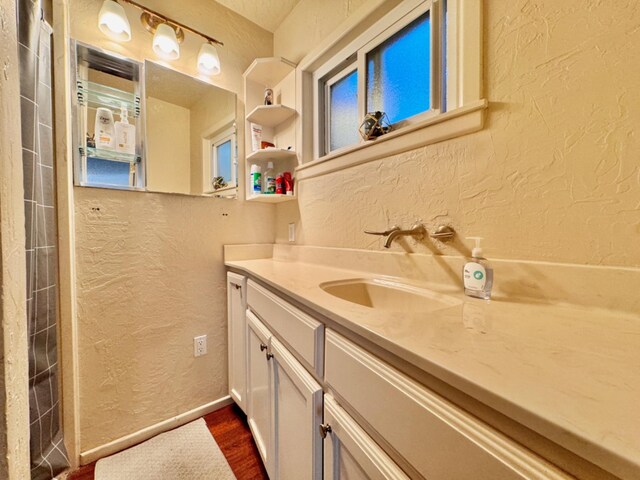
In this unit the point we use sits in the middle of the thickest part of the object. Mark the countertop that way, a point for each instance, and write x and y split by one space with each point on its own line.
568 373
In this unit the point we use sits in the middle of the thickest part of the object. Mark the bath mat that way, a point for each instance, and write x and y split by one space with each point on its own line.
186 453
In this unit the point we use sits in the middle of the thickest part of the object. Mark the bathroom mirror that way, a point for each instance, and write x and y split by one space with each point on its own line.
190 134
143 126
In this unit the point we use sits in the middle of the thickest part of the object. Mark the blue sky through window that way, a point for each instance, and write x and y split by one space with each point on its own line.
343 108
398 72
224 160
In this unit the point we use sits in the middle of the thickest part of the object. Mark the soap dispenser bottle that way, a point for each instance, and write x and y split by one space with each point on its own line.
125 133
477 274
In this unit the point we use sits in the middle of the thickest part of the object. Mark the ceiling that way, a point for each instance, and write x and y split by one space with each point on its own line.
268 14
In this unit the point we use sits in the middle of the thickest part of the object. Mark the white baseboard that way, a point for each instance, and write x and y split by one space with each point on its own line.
151 431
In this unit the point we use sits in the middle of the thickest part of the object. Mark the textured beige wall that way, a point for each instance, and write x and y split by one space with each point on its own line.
553 176
150 273
14 373
151 276
168 147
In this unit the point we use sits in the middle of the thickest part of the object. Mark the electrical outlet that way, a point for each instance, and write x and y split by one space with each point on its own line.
199 346
292 232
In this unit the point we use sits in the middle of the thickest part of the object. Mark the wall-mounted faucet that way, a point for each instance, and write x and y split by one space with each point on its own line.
443 233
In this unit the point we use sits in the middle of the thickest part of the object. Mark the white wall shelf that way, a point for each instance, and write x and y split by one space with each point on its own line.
270 198
270 115
269 71
271 154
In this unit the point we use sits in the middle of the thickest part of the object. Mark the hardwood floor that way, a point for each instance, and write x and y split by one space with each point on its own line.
231 432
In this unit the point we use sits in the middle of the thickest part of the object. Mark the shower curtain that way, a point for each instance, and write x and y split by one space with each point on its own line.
48 453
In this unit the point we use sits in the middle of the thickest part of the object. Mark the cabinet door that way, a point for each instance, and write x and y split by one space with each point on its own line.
237 332
260 393
297 414
349 453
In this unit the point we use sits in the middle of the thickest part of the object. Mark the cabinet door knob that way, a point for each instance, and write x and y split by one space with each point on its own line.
324 429
263 347
269 355
238 287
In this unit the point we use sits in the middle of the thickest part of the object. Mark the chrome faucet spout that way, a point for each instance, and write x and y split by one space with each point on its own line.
443 233
417 231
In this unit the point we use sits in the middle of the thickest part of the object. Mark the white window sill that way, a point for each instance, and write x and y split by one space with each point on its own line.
455 123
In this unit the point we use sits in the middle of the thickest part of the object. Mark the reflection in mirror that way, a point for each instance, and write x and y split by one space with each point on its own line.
191 134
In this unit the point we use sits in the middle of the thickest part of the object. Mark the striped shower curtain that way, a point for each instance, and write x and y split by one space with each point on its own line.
48 453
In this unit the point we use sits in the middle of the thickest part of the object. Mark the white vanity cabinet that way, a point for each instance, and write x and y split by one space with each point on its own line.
237 335
284 399
259 389
304 395
297 415
349 453
435 438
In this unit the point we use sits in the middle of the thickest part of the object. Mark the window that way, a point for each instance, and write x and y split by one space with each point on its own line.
223 158
342 109
390 71
399 73
419 61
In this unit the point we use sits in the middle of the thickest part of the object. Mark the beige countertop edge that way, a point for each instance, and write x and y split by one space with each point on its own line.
595 450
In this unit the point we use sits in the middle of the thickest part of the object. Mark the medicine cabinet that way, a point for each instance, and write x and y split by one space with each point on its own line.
106 86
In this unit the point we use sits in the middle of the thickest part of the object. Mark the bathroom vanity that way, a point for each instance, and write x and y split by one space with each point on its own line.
349 374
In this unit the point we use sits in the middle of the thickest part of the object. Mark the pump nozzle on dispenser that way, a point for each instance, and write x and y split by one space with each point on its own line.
477 250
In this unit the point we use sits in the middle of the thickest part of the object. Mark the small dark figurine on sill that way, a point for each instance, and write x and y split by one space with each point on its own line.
91 141
374 125
218 183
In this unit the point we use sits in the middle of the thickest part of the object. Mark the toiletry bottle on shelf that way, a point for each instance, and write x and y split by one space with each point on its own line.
125 133
104 131
256 136
288 183
269 180
477 274
279 184
256 179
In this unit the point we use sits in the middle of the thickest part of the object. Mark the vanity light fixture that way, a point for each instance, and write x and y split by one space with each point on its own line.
208 60
167 33
113 21
165 42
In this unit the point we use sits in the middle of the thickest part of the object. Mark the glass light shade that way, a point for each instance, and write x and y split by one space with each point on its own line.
208 60
113 21
165 43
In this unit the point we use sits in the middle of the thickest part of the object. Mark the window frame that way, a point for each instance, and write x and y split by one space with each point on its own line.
374 36
462 112
223 137
435 67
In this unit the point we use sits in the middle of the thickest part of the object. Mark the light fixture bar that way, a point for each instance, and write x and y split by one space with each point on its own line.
173 22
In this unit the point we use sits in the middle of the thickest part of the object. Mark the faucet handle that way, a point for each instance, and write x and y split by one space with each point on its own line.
386 233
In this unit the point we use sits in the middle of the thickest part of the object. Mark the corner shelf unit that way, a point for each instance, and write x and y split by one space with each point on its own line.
277 121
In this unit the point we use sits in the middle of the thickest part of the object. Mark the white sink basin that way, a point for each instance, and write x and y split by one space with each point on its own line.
388 295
